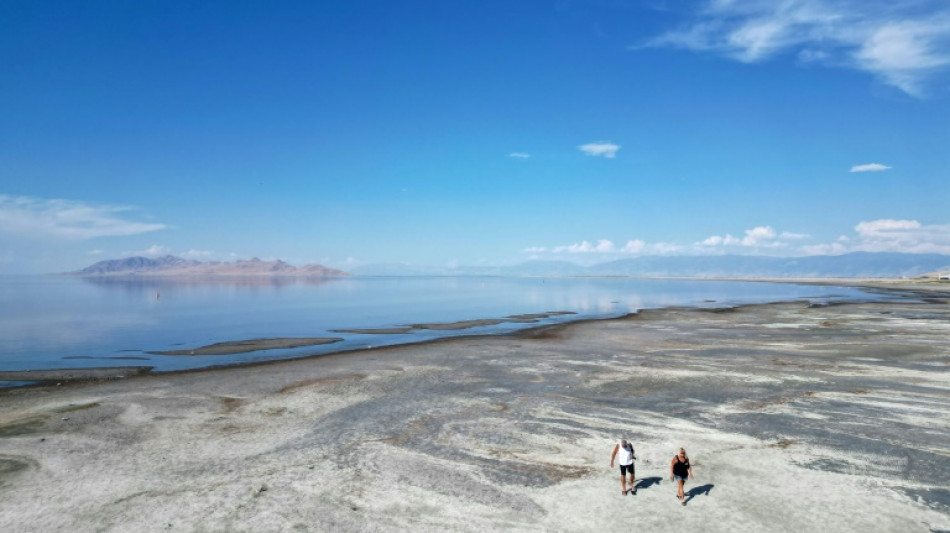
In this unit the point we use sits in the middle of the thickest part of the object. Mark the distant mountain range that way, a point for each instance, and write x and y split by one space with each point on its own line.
171 265
852 265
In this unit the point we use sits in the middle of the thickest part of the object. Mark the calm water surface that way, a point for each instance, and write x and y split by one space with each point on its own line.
64 322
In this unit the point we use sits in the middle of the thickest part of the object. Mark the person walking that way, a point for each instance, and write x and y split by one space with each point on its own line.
679 470
625 460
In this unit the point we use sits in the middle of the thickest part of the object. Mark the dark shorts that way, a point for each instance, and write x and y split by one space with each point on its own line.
626 468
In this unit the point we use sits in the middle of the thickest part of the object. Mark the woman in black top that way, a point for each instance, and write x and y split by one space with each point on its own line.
679 470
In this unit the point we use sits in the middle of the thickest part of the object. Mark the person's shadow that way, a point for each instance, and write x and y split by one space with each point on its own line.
696 491
648 482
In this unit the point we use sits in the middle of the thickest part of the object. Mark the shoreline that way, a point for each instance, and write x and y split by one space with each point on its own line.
16 379
835 414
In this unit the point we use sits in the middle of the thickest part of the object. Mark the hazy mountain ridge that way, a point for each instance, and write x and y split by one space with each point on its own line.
852 265
171 265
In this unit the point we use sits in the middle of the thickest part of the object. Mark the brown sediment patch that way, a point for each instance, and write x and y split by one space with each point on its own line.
461 324
252 345
76 374
551 474
23 426
231 403
415 426
329 380
526 318
115 358
761 404
555 331
11 466
375 331
77 407
561 473
783 443
529 316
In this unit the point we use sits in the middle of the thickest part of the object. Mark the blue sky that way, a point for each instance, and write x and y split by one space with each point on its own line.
472 131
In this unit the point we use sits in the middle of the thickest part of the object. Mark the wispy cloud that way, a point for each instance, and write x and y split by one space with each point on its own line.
901 43
606 247
67 219
154 250
870 167
519 155
600 149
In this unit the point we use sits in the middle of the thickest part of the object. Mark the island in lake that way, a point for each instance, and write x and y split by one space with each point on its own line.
171 265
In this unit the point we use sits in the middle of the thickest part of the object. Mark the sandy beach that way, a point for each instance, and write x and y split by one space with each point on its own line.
796 417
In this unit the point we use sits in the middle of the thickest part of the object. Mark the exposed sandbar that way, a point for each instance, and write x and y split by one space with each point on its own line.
252 345
375 331
461 324
467 324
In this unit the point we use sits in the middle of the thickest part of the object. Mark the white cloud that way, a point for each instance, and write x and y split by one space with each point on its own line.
665 248
154 250
901 43
870 167
600 149
95 252
758 237
634 247
602 246
889 235
882 235
789 236
723 240
519 155
197 253
885 227
66 219
607 247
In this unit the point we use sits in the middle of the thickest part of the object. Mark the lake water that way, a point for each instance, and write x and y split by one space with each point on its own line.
56 322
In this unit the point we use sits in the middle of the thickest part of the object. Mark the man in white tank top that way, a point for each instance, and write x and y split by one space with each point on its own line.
625 460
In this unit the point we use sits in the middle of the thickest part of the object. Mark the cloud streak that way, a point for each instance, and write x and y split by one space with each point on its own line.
67 219
870 167
600 149
903 44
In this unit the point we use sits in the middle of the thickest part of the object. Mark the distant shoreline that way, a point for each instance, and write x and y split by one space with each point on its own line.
30 378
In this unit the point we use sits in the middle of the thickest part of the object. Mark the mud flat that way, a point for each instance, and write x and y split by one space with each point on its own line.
252 345
796 418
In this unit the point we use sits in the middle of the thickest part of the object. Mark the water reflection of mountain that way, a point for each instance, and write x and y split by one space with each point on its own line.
140 283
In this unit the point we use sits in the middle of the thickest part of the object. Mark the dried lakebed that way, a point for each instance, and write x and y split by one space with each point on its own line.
796 417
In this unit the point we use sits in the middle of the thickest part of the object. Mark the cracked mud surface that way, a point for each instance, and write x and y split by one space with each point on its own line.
795 417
